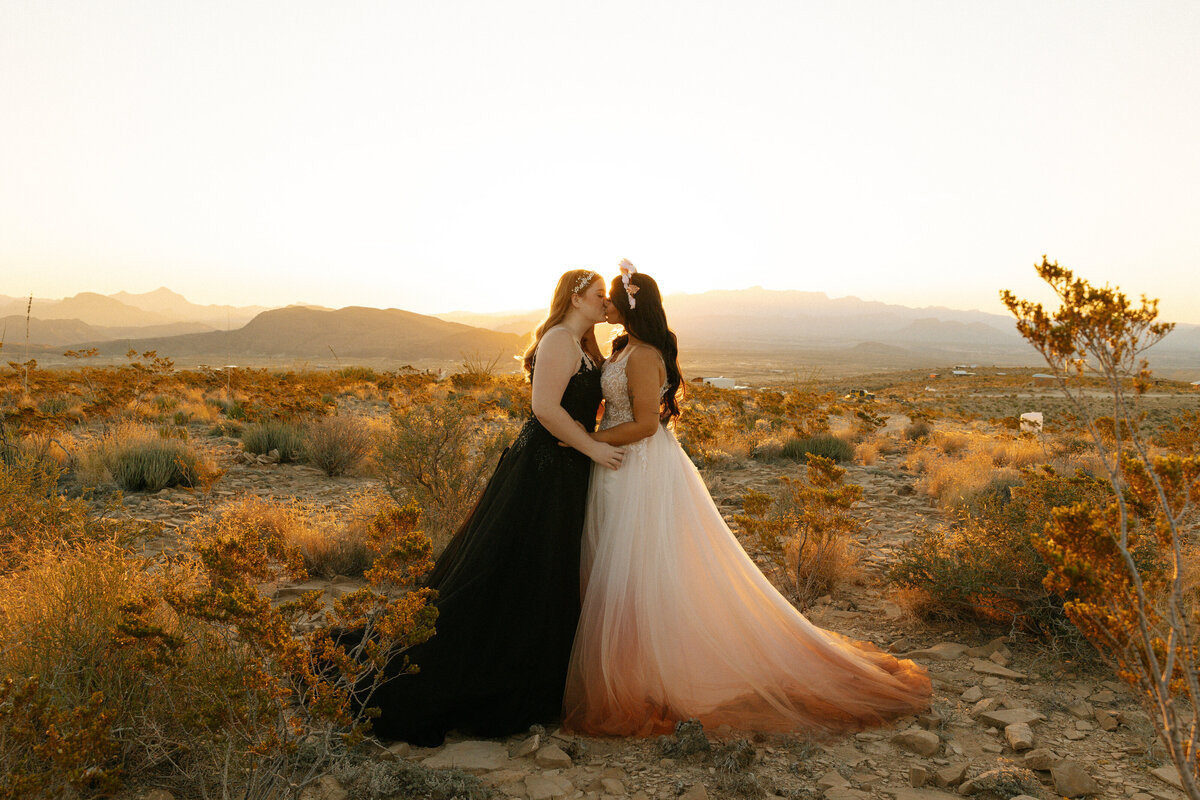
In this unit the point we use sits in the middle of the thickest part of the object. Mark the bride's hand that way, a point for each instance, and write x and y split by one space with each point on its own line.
608 456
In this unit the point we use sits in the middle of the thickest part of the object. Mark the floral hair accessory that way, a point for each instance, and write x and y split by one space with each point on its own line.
584 282
631 289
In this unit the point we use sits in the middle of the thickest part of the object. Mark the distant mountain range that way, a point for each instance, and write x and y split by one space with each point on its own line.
737 324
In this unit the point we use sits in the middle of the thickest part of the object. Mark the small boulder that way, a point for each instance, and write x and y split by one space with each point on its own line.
918 776
1072 780
924 743
972 695
951 775
1019 736
1040 759
526 747
695 792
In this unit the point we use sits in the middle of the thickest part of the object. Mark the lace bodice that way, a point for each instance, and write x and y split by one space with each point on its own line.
614 382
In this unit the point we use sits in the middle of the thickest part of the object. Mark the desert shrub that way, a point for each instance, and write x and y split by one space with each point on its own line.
917 430
439 452
866 453
186 673
139 459
336 444
226 428
824 445
984 566
950 442
327 544
806 527
357 374
263 437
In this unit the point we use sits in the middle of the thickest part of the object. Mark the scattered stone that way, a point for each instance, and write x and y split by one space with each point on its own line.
471 756
547 787
1073 735
831 780
845 793
930 720
1103 696
613 786
696 792
1071 780
1168 774
552 757
400 749
1040 759
1081 709
526 747
918 776
1105 720
1009 716
986 704
983 651
924 743
999 657
1019 736
942 651
972 695
989 668
951 775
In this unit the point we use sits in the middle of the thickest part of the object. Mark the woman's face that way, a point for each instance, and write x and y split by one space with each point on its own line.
592 303
612 314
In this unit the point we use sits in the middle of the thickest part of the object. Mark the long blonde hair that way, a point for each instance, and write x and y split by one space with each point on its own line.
559 306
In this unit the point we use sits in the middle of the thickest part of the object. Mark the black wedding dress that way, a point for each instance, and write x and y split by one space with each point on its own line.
508 595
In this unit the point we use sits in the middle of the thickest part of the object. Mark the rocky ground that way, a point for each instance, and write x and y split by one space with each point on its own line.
1006 719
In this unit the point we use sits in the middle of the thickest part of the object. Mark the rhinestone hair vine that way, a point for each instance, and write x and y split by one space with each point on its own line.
631 289
584 282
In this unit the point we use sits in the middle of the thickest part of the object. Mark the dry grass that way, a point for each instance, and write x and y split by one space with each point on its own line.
137 457
866 453
337 444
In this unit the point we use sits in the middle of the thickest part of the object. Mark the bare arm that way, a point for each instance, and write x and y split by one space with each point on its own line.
557 360
646 374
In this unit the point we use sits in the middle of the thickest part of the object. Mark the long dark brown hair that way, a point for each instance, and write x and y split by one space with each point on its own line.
560 304
648 322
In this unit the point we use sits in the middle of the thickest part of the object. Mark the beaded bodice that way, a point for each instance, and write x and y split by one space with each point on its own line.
614 382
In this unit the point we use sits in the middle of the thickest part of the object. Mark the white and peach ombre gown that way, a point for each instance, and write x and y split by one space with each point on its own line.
677 622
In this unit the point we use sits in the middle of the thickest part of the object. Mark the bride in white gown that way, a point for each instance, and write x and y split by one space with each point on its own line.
677 622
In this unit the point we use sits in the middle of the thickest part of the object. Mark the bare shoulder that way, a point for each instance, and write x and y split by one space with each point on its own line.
646 358
558 340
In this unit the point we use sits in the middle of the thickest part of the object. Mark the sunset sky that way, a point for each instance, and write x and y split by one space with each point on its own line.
459 155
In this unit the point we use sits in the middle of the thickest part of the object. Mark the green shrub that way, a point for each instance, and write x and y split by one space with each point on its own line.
823 444
440 453
150 465
984 568
336 444
263 437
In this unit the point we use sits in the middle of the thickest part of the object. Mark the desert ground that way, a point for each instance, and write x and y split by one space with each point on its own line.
1016 711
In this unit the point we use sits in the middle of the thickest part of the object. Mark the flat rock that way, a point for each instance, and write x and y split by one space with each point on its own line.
942 651
1009 716
552 757
924 743
985 650
972 695
472 756
695 792
845 793
1168 774
547 787
918 776
991 668
831 779
1072 780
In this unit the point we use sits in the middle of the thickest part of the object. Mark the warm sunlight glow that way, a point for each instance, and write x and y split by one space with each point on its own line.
435 157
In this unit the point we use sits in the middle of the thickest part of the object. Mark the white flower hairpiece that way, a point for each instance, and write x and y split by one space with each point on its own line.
584 282
631 289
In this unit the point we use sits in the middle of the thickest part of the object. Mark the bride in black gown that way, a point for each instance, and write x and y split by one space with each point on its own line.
508 582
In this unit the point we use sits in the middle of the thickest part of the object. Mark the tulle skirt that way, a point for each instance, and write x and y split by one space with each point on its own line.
677 622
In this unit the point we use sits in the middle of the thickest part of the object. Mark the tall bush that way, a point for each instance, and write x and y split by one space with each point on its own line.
1138 611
